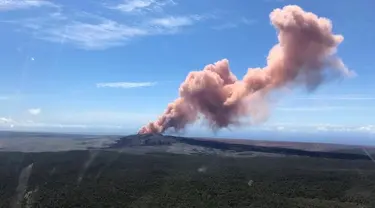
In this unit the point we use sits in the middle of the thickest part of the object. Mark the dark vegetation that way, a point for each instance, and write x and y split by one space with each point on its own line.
114 179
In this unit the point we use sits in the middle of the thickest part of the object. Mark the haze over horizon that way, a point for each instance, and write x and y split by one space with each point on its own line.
113 66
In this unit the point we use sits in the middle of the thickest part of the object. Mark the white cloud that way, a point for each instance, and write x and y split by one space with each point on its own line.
93 36
130 6
247 21
170 22
100 33
316 127
109 33
4 98
51 125
10 123
94 32
126 85
234 24
58 16
34 111
280 128
341 128
6 120
368 128
88 120
6 5
137 6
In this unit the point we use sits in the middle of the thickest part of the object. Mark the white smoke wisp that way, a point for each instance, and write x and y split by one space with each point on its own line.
22 186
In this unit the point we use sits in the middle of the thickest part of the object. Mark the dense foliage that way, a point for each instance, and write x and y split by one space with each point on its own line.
113 179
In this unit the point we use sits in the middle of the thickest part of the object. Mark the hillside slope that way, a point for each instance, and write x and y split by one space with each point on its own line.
208 145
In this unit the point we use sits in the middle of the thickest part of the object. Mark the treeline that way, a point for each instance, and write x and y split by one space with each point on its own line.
112 179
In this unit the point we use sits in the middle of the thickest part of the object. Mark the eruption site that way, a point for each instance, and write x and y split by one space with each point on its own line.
304 56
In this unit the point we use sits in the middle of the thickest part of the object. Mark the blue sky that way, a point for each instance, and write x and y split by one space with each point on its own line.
112 66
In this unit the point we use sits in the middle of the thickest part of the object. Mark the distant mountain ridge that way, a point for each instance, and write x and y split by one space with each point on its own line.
218 144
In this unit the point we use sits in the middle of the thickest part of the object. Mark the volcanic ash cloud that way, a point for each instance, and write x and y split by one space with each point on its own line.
304 56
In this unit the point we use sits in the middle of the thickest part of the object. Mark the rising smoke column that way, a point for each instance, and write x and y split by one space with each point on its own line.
305 56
